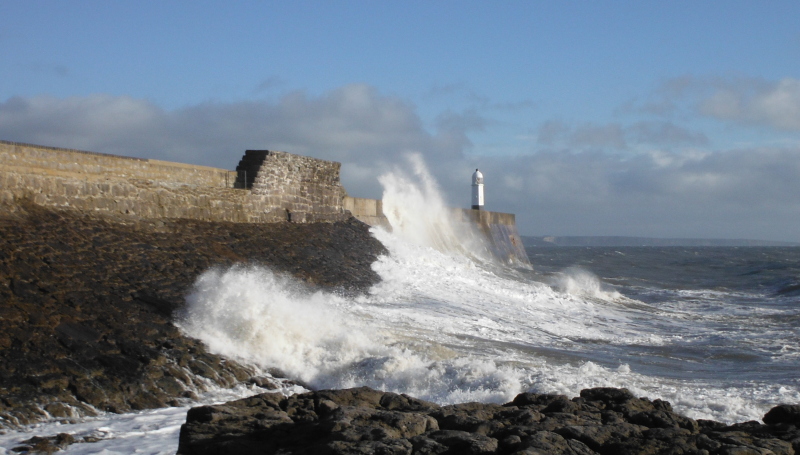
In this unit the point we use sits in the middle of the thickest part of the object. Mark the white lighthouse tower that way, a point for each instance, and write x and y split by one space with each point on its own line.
477 190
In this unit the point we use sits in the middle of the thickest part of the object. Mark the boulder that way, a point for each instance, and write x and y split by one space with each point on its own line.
366 421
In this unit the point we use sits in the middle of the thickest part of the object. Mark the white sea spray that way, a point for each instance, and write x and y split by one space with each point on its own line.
448 325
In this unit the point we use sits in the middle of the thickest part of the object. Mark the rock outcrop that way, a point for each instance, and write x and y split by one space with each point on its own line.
86 303
365 421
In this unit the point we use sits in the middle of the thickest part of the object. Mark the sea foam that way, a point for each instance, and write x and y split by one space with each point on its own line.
447 325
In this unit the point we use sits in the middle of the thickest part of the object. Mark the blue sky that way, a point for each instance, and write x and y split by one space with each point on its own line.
663 119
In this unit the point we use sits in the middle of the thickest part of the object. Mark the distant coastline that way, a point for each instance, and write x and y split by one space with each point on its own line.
587 241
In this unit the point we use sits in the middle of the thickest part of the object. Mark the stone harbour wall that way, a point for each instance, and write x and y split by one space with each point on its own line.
369 211
496 230
266 187
314 185
65 178
499 230
60 162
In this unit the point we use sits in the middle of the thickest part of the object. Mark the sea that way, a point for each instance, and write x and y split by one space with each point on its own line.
713 330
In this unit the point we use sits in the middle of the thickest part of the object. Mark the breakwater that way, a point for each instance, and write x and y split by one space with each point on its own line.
266 187
280 187
499 231
98 251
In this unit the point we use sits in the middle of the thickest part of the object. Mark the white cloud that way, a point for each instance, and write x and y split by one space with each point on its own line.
745 101
353 124
692 192
779 106
749 193
616 136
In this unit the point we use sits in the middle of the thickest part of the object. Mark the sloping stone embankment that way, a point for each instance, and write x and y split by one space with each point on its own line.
86 303
365 421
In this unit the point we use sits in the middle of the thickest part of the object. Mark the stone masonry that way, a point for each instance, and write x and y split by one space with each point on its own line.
266 187
315 189
286 185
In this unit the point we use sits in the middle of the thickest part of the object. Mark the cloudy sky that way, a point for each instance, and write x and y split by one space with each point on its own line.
637 118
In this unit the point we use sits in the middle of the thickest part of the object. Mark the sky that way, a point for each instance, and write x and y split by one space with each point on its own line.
676 119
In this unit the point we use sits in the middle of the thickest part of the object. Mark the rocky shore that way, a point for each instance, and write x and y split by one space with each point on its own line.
364 421
86 325
86 303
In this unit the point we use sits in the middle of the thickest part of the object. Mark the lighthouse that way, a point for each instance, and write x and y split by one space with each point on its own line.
477 190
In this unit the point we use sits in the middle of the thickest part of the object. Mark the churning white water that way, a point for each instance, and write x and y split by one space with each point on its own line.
448 324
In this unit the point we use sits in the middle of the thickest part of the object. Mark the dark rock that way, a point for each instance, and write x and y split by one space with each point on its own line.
783 414
363 420
471 417
329 421
264 382
547 442
664 419
536 400
45 445
561 405
86 302
463 442
596 436
607 395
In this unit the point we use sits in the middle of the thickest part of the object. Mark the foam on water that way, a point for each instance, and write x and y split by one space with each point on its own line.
252 314
449 325
418 213
326 341
577 281
445 330
152 432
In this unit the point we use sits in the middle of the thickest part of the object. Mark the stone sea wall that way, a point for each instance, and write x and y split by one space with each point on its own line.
499 231
64 178
369 211
266 187
298 184
61 162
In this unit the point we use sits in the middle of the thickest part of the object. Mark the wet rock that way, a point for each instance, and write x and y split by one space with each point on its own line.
331 421
536 400
464 442
788 414
45 445
364 420
596 436
470 417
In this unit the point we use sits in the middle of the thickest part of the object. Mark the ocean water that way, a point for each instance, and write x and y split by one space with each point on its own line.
715 331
